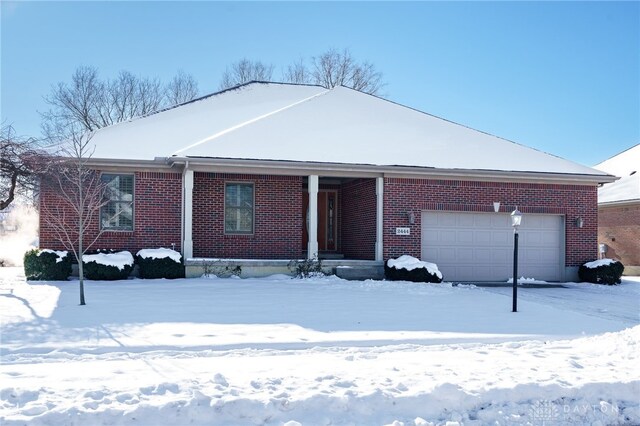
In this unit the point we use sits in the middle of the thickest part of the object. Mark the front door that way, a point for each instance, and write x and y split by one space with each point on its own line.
327 220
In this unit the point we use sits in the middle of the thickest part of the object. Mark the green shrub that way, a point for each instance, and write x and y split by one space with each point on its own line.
604 271
407 268
47 265
101 266
160 267
306 268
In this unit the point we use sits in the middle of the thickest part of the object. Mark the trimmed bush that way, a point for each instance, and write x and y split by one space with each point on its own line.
407 268
47 265
107 266
306 268
160 263
603 271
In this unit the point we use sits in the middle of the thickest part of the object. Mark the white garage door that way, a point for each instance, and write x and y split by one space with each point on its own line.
479 246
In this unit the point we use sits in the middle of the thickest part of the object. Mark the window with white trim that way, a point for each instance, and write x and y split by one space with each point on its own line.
238 208
117 213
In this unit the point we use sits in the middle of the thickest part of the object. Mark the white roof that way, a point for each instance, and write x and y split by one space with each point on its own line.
627 166
303 123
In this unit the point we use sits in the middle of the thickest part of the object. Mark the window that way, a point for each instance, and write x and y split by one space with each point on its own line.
117 214
238 208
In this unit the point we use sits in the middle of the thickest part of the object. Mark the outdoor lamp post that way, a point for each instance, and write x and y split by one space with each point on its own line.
516 219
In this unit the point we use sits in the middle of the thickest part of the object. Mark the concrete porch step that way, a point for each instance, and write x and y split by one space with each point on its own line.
373 272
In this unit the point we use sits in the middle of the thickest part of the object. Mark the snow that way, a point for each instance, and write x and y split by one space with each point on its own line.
315 352
160 253
410 263
61 254
626 165
599 262
300 123
526 280
119 259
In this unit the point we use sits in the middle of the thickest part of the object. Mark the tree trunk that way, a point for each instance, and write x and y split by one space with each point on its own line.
80 247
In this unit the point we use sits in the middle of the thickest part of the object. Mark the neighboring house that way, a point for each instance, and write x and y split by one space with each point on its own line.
267 172
619 210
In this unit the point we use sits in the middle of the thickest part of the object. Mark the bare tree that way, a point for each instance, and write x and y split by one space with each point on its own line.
182 88
75 194
297 73
244 71
335 68
19 163
92 103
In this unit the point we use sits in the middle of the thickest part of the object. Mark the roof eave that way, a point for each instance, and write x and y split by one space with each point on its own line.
618 203
367 170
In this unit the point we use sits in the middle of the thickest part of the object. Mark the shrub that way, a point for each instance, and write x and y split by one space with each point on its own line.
603 271
306 268
160 263
407 268
107 266
47 265
220 269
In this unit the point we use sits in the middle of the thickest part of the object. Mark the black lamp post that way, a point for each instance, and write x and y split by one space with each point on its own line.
516 219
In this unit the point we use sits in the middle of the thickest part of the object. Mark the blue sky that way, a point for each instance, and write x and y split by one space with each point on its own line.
562 77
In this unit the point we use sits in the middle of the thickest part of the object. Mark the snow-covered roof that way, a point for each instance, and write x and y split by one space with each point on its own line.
305 123
627 166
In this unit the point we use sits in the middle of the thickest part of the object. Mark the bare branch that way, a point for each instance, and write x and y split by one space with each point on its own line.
88 103
244 71
182 88
19 163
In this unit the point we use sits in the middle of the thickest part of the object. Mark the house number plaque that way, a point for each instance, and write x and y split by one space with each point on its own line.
403 231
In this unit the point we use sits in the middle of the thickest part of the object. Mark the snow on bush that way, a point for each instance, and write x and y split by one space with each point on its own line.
108 266
47 264
60 254
160 263
160 253
408 268
603 271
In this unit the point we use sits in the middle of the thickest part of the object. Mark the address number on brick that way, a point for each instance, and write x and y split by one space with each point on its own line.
403 231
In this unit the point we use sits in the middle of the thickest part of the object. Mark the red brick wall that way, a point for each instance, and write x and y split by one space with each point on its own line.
619 229
359 219
403 195
157 216
277 223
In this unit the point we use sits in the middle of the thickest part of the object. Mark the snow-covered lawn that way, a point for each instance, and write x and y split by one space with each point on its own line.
315 352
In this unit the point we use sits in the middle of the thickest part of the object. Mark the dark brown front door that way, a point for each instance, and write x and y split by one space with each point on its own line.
327 220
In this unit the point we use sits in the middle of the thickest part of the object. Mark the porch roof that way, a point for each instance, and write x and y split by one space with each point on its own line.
304 123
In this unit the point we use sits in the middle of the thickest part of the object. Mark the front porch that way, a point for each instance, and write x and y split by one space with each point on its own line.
350 269
280 217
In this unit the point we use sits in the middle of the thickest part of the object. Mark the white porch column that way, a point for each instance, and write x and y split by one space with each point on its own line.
379 217
187 244
312 245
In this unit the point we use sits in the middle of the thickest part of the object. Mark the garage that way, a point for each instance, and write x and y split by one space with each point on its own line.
479 246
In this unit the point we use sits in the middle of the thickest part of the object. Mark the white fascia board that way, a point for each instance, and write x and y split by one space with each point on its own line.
366 170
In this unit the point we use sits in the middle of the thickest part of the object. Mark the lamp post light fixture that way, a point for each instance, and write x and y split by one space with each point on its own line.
516 220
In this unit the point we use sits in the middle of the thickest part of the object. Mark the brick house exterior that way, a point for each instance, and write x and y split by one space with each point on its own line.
264 204
619 210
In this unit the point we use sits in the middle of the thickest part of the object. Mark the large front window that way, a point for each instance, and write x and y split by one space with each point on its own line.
238 208
117 213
